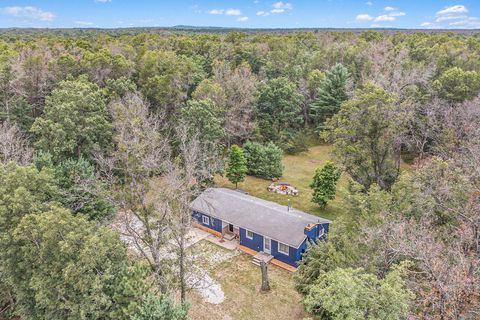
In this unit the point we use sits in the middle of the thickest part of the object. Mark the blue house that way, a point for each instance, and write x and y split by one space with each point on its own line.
263 226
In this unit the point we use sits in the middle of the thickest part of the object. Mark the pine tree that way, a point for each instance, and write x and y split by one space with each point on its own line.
324 184
331 95
237 165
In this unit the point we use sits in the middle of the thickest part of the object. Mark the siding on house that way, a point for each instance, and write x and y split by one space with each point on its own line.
256 243
294 254
215 224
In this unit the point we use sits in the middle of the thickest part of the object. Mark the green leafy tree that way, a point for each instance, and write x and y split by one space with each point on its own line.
331 94
205 117
237 165
365 136
102 65
23 191
343 249
457 85
353 294
207 89
166 79
68 266
324 184
76 122
263 161
278 108
118 88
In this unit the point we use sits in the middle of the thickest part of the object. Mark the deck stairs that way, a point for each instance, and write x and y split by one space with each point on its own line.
261 256
228 236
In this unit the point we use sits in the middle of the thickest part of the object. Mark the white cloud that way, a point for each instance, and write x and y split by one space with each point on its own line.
457 16
450 17
384 17
369 3
391 14
452 13
364 17
228 12
469 22
375 25
84 23
452 10
426 24
233 12
103 1
242 19
216 11
282 5
277 8
28 12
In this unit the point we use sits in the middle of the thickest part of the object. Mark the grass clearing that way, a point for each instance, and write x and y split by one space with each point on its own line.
298 171
241 281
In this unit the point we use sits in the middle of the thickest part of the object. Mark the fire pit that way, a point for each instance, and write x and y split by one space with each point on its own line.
283 188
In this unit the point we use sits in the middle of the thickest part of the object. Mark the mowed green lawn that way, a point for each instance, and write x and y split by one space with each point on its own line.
298 171
241 280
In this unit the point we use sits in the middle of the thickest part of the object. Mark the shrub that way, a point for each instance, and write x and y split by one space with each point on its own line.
264 161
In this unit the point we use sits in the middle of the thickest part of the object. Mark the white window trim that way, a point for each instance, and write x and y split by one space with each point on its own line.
207 219
285 253
321 232
246 234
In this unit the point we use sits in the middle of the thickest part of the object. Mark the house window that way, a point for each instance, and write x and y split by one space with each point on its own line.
321 232
283 248
249 234
206 220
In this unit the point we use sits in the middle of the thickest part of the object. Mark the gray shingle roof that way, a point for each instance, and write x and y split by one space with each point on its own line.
260 216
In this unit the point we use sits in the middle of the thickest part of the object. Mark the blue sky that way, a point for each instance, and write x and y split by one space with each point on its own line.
245 13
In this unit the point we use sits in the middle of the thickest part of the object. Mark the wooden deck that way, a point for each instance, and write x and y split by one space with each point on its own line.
274 261
247 250
283 265
199 226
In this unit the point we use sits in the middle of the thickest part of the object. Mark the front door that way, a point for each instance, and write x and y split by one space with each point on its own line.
230 228
267 245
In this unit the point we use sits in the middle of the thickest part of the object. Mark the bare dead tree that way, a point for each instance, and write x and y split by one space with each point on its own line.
239 87
33 80
141 153
440 236
153 188
393 69
13 145
265 283
194 163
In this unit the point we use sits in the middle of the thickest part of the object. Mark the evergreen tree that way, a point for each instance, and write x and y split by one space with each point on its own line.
81 191
237 165
331 94
324 184
264 161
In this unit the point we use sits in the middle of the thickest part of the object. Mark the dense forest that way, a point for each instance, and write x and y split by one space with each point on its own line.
91 122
